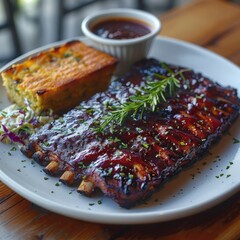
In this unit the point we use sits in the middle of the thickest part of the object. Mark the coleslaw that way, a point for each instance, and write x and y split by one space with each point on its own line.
18 123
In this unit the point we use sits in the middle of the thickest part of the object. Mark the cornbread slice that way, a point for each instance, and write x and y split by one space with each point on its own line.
59 78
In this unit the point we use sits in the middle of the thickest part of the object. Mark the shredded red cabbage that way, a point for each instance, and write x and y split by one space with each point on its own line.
12 136
34 121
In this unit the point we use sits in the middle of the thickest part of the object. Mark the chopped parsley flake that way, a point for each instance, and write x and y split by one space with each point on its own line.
13 149
146 145
131 176
183 143
235 141
124 145
47 144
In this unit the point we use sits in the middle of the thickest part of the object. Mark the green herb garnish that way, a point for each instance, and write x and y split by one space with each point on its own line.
235 140
13 149
183 143
148 97
66 55
145 145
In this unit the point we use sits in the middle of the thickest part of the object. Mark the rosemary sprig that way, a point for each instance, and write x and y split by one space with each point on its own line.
149 96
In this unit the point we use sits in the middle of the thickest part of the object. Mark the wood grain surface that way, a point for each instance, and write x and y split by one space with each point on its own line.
213 24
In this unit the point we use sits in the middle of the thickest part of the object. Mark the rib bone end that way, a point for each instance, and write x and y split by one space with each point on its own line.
51 168
86 187
67 177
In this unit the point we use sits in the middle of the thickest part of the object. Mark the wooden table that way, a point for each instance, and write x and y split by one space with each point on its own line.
213 24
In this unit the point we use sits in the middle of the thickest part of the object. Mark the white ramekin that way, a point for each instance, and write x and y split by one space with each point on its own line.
127 51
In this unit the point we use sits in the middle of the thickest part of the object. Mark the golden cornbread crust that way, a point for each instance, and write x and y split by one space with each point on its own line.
59 78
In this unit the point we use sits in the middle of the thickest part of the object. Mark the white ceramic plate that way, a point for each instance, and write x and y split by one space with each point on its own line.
201 186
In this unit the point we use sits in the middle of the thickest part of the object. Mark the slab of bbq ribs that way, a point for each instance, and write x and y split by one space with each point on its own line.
130 162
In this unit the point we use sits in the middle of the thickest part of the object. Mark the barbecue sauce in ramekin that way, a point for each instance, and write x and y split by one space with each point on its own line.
122 28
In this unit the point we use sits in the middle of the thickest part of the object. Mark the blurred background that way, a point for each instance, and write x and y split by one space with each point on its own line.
28 24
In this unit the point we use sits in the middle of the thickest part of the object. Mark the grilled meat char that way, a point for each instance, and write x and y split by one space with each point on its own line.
128 163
